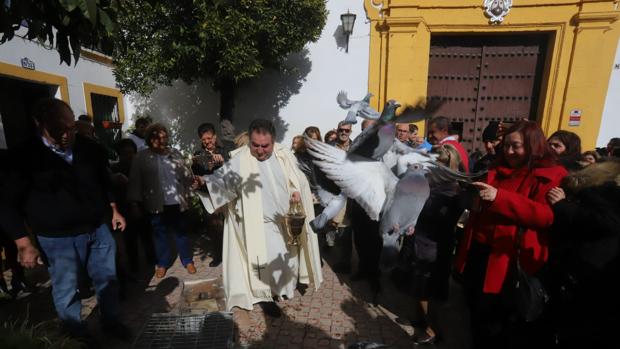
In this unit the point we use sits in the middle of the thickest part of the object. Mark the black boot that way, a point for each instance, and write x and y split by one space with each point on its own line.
271 309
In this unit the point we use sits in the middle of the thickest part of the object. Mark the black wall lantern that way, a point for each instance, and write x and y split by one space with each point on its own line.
348 20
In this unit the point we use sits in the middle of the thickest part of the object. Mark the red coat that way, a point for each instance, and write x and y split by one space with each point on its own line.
520 201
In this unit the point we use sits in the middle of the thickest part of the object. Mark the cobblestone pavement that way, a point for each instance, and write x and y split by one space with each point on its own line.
337 314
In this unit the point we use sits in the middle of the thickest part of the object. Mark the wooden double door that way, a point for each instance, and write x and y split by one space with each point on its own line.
486 78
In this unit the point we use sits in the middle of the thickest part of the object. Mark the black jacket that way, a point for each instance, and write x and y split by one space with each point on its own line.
55 198
584 263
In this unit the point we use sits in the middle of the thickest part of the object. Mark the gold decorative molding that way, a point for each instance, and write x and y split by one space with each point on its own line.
404 24
594 20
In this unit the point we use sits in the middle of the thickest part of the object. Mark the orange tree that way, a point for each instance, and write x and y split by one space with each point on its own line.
222 41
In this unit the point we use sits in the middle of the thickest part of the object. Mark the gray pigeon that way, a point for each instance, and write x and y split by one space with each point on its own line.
377 139
402 212
367 345
395 202
357 108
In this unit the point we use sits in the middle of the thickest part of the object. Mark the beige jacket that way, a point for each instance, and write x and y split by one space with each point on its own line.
145 185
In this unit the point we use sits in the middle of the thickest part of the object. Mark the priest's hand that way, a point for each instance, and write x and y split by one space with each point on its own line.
197 182
295 197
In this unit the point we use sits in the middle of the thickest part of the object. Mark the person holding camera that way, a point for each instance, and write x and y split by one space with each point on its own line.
205 161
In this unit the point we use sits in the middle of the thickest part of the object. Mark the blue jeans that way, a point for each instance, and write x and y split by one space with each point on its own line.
171 221
67 257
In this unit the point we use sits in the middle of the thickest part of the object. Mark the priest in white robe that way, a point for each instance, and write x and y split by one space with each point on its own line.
257 186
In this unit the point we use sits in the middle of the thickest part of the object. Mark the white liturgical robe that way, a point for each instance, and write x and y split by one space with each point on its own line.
257 261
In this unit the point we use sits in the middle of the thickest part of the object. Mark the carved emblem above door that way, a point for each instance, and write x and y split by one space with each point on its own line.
497 10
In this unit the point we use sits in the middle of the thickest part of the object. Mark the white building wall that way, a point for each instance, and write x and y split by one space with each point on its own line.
332 70
610 125
48 61
304 95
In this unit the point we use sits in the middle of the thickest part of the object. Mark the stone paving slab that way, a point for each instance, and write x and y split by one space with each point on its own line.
337 314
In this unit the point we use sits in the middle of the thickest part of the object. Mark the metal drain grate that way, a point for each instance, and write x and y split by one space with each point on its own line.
210 330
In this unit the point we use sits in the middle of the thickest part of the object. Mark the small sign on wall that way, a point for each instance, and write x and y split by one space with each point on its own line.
574 117
26 63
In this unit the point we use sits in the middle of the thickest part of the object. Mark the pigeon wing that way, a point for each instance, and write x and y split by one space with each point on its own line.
418 113
438 173
374 141
367 182
368 112
343 101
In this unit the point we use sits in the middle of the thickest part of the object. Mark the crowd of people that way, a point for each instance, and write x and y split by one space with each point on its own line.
542 201
540 205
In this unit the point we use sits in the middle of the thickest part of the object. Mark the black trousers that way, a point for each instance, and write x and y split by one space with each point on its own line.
494 321
368 242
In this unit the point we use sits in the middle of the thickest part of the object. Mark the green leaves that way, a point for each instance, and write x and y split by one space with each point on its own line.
70 5
89 9
223 40
69 24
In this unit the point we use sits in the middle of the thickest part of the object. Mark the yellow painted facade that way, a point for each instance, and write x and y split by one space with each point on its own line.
581 51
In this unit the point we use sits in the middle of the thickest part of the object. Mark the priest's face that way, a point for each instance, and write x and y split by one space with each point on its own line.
261 145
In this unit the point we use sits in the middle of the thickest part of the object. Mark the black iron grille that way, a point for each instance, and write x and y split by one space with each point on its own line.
210 330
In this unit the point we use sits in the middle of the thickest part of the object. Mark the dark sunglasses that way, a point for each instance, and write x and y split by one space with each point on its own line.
345 130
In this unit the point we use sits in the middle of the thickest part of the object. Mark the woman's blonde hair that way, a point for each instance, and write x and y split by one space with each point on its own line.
242 139
449 156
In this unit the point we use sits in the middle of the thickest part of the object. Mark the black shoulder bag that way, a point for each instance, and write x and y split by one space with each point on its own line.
528 293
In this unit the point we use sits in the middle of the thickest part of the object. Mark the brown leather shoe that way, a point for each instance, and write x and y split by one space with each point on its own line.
191 269
160 272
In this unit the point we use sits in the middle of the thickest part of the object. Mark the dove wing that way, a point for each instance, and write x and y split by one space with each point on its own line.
368 112
343 101
324 196
438 173
374 141
367 182
418 113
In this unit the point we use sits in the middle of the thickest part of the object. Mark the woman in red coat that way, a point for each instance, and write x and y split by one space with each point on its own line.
512 196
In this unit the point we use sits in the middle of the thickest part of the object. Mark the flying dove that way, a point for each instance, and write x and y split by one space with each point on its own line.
357 108
395 202
377 139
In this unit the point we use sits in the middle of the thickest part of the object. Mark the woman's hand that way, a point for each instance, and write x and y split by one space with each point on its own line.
487 192
555 195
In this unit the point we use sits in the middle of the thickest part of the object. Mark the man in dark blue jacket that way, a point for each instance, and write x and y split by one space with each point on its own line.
58 186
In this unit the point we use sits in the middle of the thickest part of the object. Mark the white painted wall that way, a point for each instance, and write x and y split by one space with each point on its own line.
332 70
48 61
303 96
610 125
